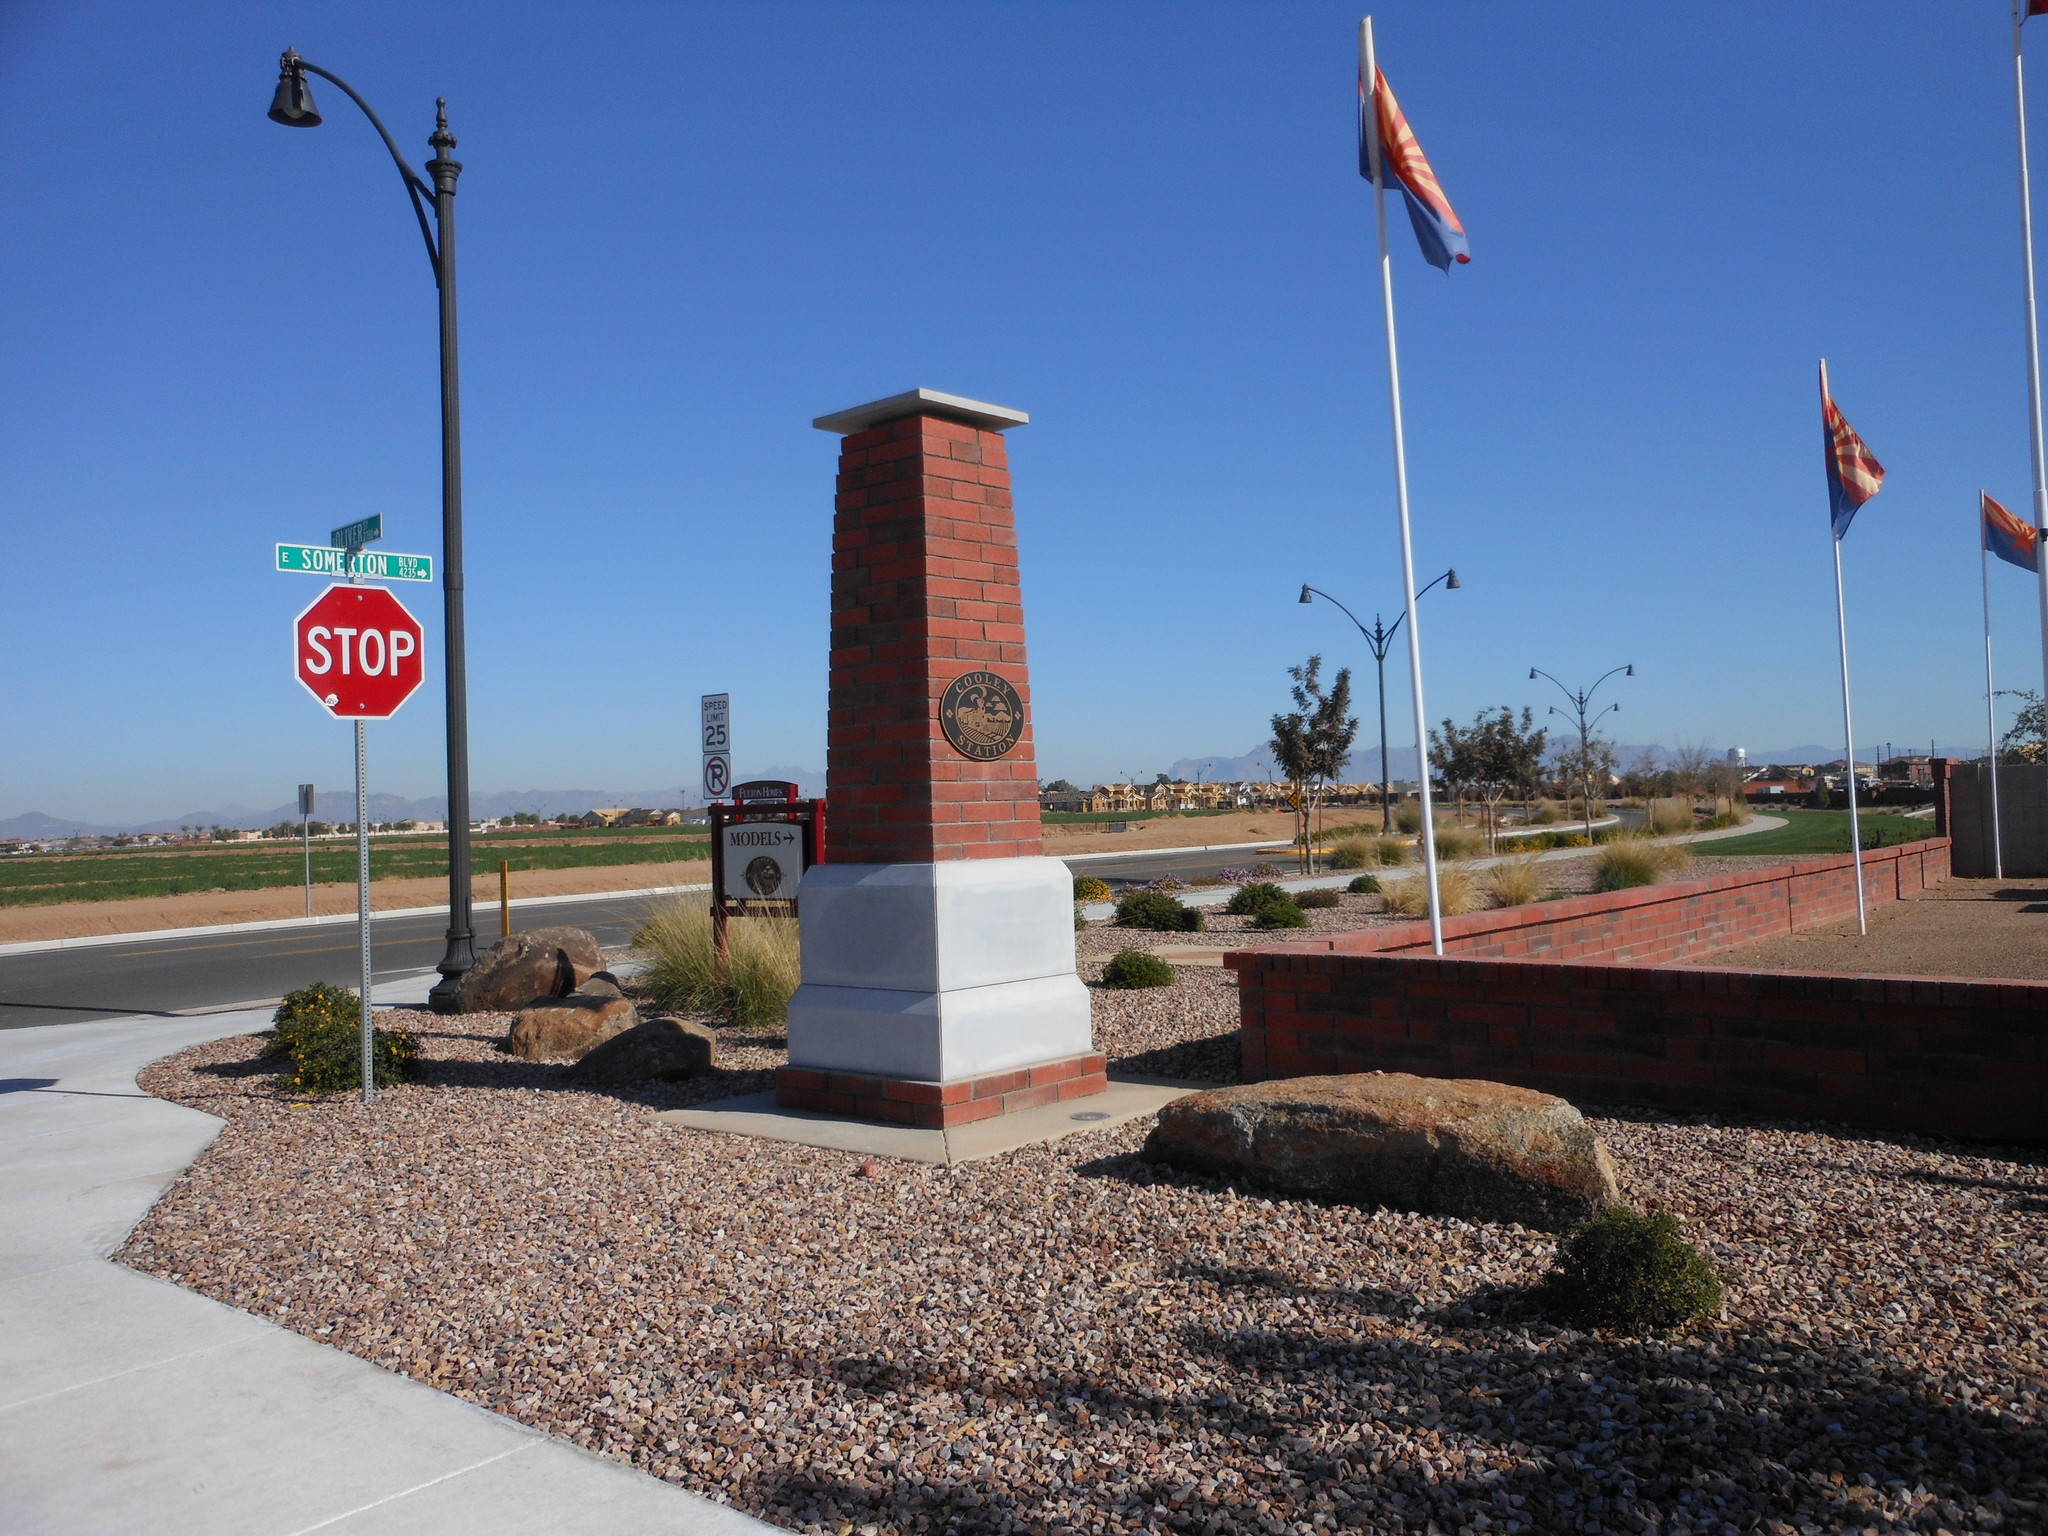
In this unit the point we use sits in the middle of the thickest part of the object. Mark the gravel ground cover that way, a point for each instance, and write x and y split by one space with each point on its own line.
1066 1339
1973 928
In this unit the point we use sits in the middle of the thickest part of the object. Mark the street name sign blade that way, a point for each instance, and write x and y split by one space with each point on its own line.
358 652
323 560
363 531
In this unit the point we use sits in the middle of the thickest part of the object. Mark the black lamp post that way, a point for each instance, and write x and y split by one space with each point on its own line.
1580 702
1379 637
293 106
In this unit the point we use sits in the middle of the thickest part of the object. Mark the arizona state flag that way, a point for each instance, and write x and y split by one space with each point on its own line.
2004 534
1384 134
1854 475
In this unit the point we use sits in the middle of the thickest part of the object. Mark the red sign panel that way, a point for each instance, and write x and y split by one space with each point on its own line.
358 652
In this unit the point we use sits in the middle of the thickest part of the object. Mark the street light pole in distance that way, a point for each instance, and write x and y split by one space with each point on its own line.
1580 702
292 105
1379 637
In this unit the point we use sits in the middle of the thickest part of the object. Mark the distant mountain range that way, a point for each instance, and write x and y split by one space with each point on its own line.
340 805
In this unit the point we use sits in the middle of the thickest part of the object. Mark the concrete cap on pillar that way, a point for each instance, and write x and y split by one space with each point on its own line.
921 402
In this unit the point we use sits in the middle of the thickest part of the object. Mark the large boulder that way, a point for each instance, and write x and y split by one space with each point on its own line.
660 1048
568 1028
1457 1146
541 962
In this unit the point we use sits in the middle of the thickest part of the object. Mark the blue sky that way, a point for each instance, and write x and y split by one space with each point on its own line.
687 230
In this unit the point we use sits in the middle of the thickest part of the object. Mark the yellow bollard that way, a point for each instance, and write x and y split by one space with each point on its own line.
505 897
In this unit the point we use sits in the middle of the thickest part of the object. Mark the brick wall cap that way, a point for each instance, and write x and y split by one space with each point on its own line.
921 402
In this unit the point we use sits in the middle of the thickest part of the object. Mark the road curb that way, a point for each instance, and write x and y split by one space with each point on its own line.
329 919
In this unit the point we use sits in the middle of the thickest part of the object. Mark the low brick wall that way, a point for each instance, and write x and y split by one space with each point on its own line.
1958 1058
1655 924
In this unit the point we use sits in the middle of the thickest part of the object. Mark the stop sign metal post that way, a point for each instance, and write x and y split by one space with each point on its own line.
358 652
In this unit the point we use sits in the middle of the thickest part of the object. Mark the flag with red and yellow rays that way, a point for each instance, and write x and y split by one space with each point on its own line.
1385 139
1854 475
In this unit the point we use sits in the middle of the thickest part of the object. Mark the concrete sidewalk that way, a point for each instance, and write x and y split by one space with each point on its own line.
128 1404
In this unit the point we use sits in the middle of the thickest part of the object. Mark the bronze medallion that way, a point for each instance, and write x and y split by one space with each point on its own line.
982 715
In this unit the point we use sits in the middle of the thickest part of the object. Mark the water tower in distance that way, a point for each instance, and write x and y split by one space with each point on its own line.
1738 757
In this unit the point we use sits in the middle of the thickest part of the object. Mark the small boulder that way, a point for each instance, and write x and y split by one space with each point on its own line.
1456 1146
567 1028
660 1048
541 962
602 983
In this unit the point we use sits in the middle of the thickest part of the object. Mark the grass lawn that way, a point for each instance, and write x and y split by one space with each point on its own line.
1822 832
113 873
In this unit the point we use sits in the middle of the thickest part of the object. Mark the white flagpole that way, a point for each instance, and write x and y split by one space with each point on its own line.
2019 95
1848 726
1990 700
1379 205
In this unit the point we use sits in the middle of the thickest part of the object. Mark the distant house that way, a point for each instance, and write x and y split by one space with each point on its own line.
603 816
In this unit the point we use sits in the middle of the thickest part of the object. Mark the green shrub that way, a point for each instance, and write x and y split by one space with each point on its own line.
764 963
1088 888
307 1009
1265 871
1157 912
320 1028
1284 913
1080 922
1631 1273
1132 968
1546 813
1364 885
1321 898
1246 900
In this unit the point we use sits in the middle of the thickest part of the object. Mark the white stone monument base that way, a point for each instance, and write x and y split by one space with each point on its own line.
954 981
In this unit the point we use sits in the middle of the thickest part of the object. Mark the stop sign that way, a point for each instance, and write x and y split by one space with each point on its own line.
358 652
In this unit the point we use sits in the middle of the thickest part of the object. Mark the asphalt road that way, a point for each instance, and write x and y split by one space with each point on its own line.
169 976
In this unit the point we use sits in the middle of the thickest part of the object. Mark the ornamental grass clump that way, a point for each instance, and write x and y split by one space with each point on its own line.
320 1029
1459 843
1518 880
1352 853
1628 862
1088 888
1130 969
1629 1272
1157 912
764 964
1455 888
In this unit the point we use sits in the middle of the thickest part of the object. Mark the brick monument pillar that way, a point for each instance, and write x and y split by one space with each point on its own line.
938 943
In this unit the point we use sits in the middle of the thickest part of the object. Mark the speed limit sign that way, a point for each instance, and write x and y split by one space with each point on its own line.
715 715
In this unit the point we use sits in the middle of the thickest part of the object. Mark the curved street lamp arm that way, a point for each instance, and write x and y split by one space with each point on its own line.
1576 701
1628 667
1377 643
413 185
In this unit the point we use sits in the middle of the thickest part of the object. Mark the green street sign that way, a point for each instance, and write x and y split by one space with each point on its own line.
366 531
319 560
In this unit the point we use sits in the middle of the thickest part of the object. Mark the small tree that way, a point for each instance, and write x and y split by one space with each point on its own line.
1583 765
1312 744
2027 740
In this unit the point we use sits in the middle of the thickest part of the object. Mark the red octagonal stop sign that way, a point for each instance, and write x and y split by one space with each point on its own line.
358 652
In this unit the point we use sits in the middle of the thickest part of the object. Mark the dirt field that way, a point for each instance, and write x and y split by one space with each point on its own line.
78 919
1189 831
1986 929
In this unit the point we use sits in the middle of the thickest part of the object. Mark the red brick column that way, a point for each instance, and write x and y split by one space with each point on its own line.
924 589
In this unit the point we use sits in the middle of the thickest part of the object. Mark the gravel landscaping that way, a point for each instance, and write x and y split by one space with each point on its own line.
1066 1339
